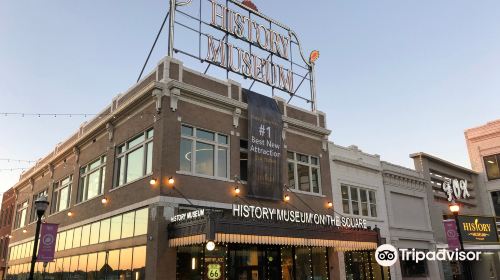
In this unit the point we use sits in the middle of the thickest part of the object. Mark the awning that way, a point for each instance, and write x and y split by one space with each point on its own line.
223 228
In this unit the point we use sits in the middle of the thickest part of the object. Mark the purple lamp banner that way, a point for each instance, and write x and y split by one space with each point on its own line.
47 242
450 228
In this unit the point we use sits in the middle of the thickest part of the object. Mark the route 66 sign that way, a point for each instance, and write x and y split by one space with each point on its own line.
214 271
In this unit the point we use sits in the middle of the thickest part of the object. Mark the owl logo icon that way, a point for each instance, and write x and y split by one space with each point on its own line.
214 271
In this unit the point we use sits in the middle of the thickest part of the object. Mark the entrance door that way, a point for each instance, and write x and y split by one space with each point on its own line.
254 262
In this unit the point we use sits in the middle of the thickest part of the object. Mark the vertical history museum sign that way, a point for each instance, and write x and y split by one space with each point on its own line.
265 147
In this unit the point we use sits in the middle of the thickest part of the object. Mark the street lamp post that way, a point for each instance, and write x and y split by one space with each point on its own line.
41 205
455 209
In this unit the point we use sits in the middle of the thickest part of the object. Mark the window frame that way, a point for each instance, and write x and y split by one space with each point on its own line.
215 143
23 206
497 162
295 161
33 215
128 150
82 194
368 202
57 188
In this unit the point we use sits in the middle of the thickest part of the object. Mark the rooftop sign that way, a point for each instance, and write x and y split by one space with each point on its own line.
243 41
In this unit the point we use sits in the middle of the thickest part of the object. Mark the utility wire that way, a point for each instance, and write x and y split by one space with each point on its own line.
17 160
13 169
20 114
152 48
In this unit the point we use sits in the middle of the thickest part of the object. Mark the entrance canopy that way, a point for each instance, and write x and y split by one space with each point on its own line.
222 227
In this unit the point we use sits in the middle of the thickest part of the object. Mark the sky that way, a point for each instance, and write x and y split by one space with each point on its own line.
394 77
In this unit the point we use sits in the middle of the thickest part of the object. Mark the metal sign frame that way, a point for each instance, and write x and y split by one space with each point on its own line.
277 72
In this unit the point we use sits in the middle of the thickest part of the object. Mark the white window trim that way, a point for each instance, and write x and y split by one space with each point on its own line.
20 209
101 167
127 151
60 186
295 162
368 201
216 145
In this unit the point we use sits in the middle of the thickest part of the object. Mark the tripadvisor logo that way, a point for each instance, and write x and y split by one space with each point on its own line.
387 255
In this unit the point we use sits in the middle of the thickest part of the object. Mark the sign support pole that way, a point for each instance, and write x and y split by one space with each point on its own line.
173 4
313 88
465 263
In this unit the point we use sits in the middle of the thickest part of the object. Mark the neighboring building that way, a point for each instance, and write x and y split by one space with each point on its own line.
390 197
358 191
119 215
483 144
6 214
409 220
448 183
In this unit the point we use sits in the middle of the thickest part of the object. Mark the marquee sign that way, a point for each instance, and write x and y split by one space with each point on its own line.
243 41
294 216
478 229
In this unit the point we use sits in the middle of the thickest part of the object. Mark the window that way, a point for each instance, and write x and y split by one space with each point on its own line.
203 152
92 179
41 194
61 195
22 210
244 160
303 172
495 197
134 158
358 201
414 269
491 164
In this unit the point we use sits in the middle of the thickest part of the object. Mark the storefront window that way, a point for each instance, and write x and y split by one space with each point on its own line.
414 269
94 233
252 262
85 235
123 264
141 222
104 231
116 227
319 263
361 265
139 263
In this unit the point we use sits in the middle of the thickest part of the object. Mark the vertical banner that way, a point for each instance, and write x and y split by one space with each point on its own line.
450 228
265 147
48 234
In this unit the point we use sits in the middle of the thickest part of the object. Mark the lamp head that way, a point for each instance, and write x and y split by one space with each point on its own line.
454 208
210 245
171 181
41 205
